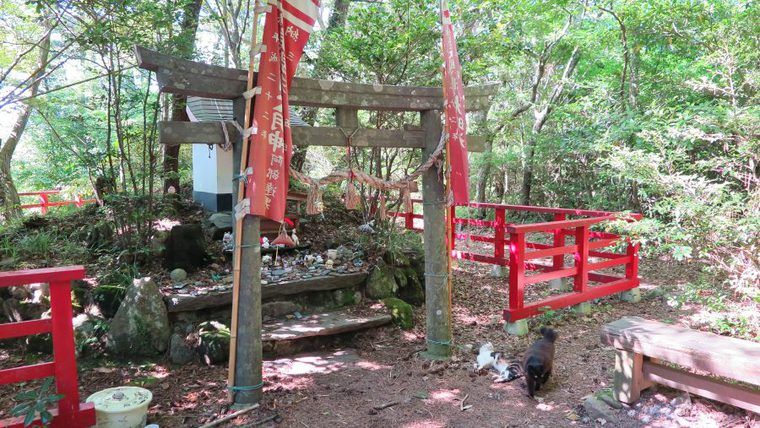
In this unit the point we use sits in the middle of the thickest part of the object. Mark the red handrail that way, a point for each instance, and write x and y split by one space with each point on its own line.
70 412
45 203
514 236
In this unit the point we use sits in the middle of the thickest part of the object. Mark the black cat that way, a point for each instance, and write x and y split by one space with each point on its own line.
538 362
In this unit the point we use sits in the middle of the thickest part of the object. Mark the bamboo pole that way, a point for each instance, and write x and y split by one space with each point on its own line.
246 233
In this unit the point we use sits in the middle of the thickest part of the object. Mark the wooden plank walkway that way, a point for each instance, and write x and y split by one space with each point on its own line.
187 302
324 324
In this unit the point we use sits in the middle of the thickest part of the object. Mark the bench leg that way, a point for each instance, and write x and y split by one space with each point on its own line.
629 376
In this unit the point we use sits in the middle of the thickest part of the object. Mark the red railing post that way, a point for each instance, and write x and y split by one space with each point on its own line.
409 219
632 267
500 222
63 347
516 270
581 259
44 203
558 261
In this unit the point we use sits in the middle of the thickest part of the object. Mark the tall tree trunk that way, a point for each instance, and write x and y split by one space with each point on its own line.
541 116
8 194
185 47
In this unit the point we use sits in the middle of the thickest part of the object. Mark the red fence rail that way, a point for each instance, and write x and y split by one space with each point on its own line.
44 202
70 413
512 248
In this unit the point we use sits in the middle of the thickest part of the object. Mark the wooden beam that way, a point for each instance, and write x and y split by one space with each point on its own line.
174 133
185 77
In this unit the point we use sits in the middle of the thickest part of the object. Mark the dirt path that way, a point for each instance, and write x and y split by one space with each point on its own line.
379 380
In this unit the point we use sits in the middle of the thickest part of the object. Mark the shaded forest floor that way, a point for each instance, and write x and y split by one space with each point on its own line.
350 385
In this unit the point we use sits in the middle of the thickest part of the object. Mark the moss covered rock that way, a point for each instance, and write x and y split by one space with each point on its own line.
141 325
401 312
413 290
381 283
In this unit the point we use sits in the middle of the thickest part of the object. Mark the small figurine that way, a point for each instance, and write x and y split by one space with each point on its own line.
264 242
266 259
329 264
227 242
294 237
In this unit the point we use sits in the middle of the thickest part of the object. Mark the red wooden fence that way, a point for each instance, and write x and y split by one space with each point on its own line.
587 244
45 202
70 412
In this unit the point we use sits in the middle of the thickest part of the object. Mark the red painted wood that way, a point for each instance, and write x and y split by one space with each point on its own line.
558 261
24 373
581 259
609 263
548 275
500 221
600 277
44 202
476 238
31 276
568 299
516 270
475 222
63 347
606 255
632 269
25 328
549 252
69 412
601 243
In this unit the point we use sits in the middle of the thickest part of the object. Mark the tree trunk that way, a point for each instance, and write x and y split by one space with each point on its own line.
184 49
8 194
541 116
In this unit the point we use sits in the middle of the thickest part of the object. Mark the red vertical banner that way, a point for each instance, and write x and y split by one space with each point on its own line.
286 30
454 110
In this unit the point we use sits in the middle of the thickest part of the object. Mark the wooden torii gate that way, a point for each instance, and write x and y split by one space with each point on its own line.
183 77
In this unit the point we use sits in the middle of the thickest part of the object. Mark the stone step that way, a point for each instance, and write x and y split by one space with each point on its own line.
323 324
188 302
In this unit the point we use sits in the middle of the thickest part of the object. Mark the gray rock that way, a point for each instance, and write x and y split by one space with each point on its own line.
381 283
278 309
178 275
221 220
180 352
598 409
220 223
141 325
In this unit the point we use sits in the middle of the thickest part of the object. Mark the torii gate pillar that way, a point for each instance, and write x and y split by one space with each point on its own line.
437 285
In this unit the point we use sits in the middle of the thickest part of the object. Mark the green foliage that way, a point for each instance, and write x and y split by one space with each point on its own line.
35 403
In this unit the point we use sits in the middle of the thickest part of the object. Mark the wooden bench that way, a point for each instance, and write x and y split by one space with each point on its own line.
646 352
